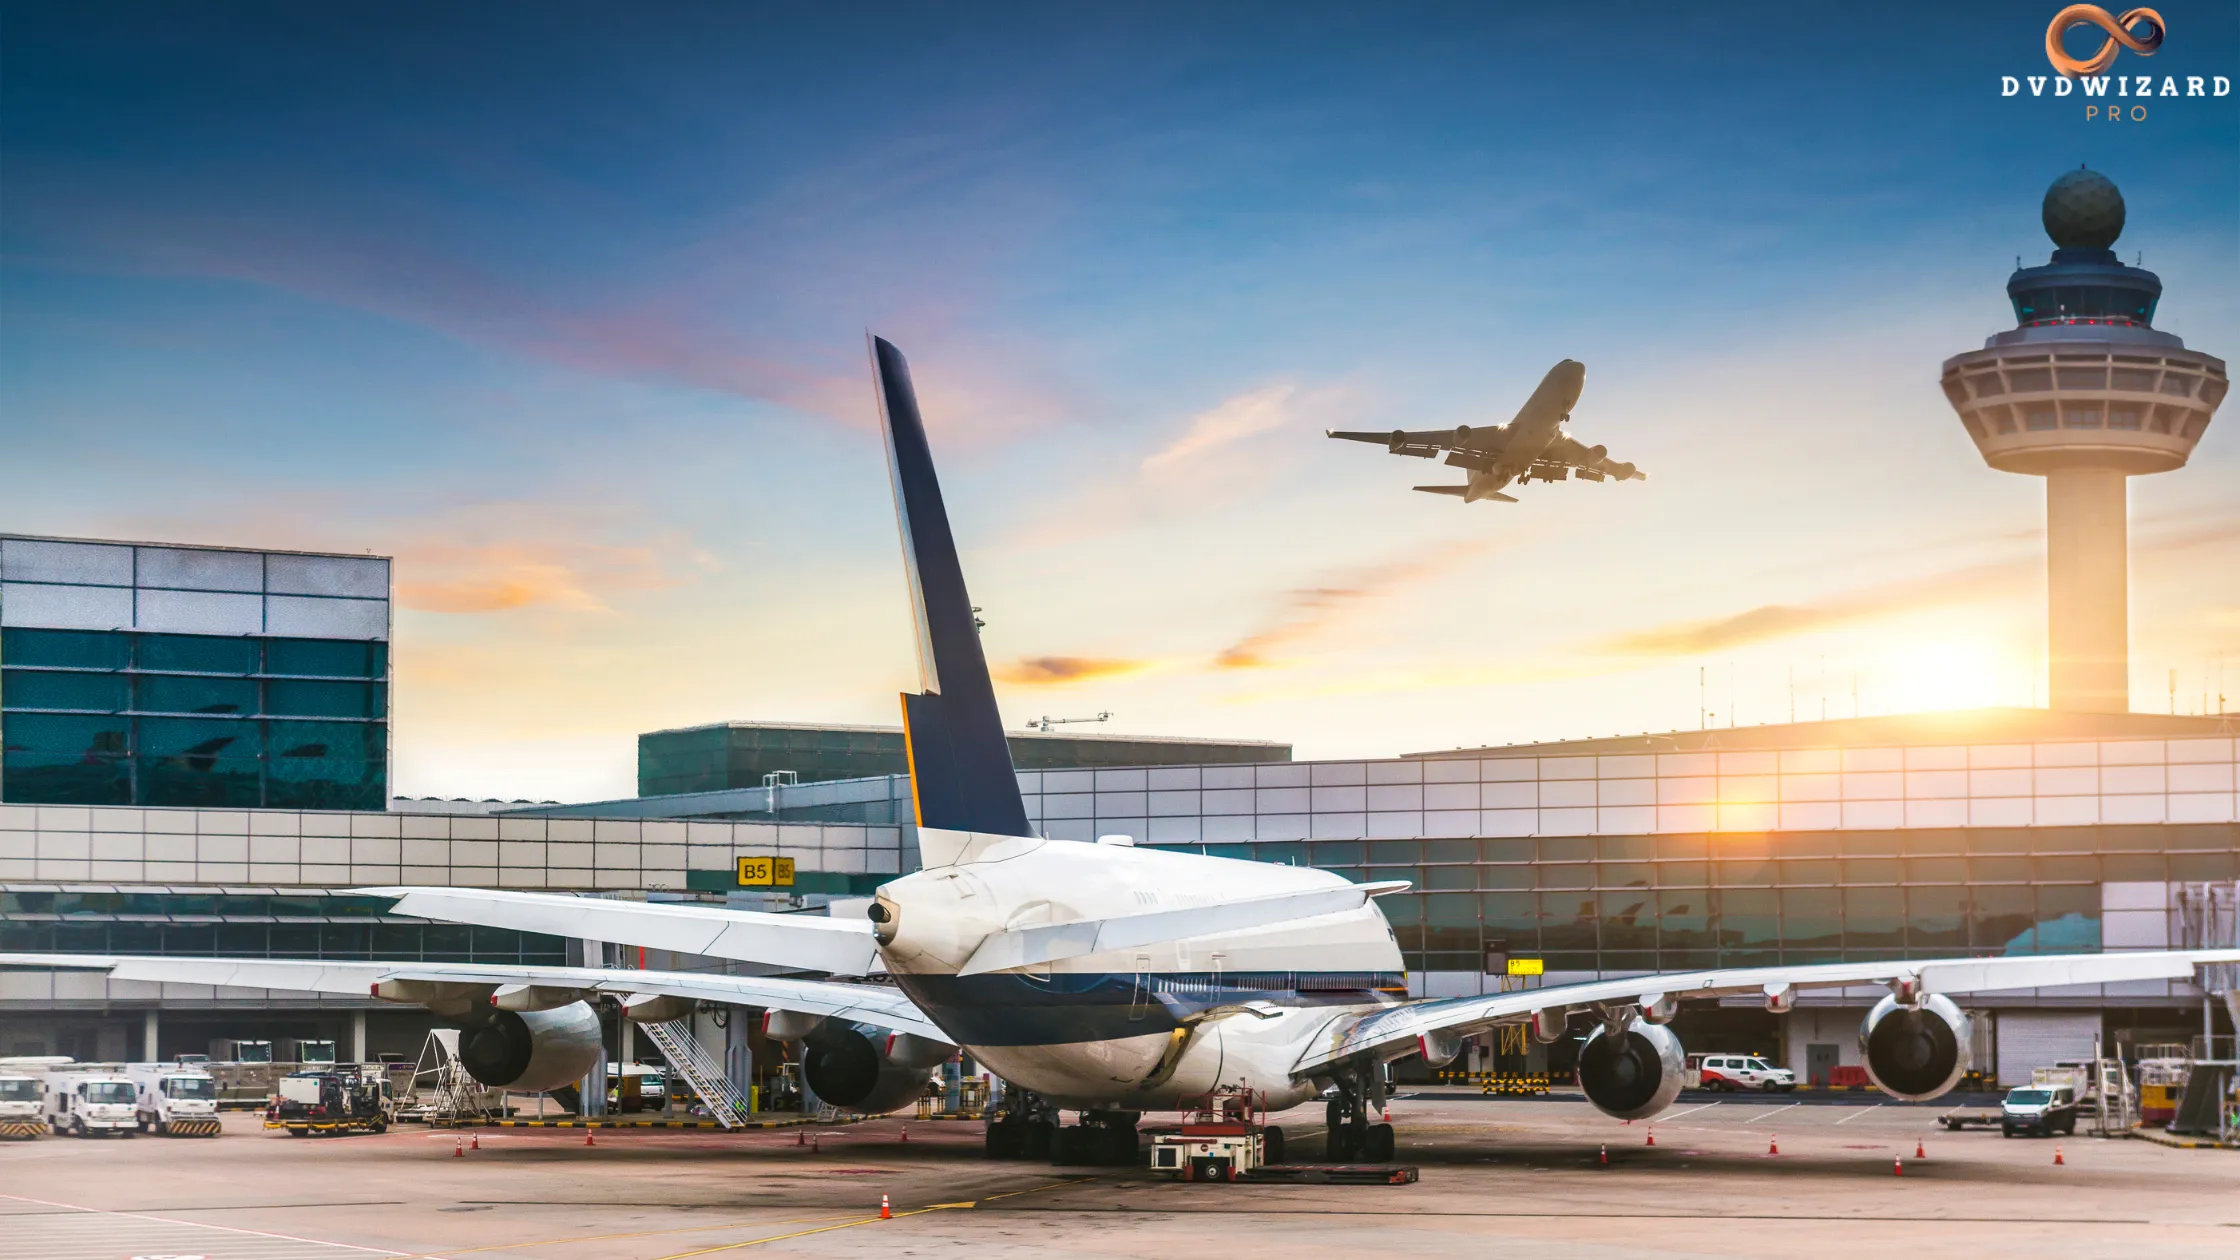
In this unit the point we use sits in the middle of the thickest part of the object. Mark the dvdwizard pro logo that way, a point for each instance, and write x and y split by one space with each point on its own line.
2139 30
2105 96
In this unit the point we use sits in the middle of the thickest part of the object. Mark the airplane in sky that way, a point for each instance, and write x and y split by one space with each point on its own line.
1531 447
1101 979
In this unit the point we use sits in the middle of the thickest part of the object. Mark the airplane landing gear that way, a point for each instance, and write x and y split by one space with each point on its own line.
1025 1126
1102 1137
1353 1139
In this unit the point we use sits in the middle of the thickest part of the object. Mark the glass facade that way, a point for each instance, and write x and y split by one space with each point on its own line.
1680 902
739 754
94 717
297 923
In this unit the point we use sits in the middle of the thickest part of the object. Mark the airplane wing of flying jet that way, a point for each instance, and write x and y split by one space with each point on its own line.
505 986
1429 443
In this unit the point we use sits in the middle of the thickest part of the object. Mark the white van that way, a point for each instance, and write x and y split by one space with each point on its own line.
86 1104
175 1101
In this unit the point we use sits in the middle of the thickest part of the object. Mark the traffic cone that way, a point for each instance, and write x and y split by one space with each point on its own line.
1606 1156
1774 1147
2057 1160
458 1148
1918 1152
477 1143
1897 1166
816 1143
1388 1113
590 1137
885 1213
1652 1137
906 1133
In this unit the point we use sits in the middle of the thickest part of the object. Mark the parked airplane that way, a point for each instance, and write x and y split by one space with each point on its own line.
1102 978
1531 447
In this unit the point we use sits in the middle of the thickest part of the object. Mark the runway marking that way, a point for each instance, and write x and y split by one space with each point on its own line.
1690 1111
1776 1111
226 1229
1862 1111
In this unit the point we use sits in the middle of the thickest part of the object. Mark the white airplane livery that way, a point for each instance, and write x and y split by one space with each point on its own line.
1100 979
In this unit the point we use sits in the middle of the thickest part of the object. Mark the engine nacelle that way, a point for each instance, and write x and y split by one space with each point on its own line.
1596 452
1461 433
1622 472
531 1051
1915 1052
1634 1074
847 1065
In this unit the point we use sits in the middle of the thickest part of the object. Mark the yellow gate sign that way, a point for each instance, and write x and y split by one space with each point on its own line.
1517 966
765 872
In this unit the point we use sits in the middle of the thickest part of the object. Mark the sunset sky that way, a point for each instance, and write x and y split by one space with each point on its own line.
564 306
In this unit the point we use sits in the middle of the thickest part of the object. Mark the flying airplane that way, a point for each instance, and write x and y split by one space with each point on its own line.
1531 447
1101 979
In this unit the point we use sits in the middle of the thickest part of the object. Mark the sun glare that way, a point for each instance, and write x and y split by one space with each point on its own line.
1934 675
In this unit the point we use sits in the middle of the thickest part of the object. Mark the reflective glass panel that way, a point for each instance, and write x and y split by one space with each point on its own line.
1937 918
1749 925
2068 920
1567 922
2001 918
293 698
1506 876
1811 924
1625 875
172 693
198 761
1684 921
1629 919
198 653
1511 916
1450 922
72 649
326 658
1567 848
38 689
1874 918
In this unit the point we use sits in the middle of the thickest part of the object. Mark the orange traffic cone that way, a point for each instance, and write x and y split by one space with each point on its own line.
800 1137
885 1213
1652 1137
906 1133
590 1138
1605 1156
816 1143
458 1148
477 1143
1918 1152
1774 1147
1388 1113
1897 1166
2057 1156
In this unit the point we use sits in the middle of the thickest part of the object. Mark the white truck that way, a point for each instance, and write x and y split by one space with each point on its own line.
175 1100
21 1112
90 1103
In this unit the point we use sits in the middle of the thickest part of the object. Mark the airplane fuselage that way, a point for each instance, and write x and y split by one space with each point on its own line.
1537 423
1142 1028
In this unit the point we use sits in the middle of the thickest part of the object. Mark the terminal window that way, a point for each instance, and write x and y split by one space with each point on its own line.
118 718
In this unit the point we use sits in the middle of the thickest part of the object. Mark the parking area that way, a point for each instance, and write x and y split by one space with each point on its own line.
1528 1177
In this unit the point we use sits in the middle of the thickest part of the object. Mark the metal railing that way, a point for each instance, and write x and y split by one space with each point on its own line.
683 1051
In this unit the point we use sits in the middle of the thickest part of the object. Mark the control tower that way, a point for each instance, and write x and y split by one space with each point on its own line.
2085 393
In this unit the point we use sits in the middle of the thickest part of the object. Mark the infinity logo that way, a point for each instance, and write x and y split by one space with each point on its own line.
2119 32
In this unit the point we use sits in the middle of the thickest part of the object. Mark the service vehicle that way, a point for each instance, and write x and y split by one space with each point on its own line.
345 1098
2040 1109
21 1113
88 1104
175 1100
304 1050
231 1050
1743 1071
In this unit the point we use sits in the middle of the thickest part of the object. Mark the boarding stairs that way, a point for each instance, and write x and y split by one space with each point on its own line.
683 1052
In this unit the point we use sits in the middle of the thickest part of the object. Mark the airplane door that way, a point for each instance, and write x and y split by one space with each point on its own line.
1140 999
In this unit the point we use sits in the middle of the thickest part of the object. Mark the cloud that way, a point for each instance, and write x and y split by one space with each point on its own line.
1232 421
1053 671
1309 610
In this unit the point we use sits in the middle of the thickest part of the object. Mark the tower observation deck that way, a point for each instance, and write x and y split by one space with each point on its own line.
2086 393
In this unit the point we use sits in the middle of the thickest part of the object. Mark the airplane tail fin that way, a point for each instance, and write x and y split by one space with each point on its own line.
961 778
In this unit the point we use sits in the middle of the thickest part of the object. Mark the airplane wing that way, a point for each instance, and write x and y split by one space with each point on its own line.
865 1003
1591 462
1391 1033
1426 443
802 942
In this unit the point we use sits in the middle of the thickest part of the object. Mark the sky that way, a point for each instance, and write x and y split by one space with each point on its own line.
563 306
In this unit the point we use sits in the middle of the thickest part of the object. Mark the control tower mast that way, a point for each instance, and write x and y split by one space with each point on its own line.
2085 393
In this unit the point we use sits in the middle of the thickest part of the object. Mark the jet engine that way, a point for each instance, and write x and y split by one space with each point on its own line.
531 1051
1915 1052
1634 1074
1596 452
1461 434
860 1067
1621 471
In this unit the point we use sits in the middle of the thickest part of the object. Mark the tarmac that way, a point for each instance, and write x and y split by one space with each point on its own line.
1523 1178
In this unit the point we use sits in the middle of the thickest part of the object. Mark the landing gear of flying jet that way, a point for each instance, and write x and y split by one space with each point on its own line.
1353 1139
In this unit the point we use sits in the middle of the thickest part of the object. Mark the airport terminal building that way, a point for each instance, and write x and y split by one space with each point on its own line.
197 763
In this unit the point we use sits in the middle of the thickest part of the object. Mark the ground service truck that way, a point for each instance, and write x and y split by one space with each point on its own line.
91 1103
174 1100
21 1114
